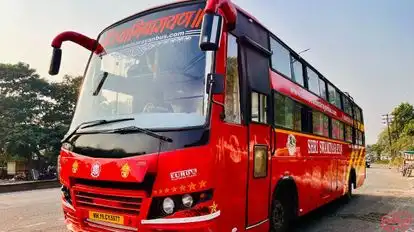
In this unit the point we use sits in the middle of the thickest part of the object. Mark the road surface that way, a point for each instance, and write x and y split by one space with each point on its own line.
385 192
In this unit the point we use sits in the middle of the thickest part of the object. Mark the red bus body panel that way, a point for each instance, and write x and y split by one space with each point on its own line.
319 166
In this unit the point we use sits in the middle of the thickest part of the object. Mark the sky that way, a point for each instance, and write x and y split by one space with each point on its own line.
365 48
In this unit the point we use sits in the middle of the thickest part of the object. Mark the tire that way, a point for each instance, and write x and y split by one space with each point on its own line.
282 213
349 194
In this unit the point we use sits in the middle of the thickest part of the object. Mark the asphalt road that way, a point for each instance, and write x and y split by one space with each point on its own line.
385 192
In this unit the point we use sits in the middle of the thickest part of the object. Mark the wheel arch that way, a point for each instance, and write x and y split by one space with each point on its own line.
288 185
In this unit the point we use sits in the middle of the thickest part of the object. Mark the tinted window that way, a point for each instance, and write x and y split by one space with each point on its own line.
322 89
320 123
232 98
347 106
348 133
297 71
358 113
313 81
337 130
288 113
280 58
334 96
359 137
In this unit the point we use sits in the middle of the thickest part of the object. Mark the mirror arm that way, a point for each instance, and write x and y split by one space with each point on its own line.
229 11
82 40
223 111
210 90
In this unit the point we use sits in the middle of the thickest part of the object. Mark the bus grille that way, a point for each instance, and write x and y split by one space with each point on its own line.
98 201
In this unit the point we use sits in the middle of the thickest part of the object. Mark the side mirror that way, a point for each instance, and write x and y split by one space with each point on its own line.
215 84
55 61
211 30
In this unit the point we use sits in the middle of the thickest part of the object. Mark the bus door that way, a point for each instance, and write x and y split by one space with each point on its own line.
255 61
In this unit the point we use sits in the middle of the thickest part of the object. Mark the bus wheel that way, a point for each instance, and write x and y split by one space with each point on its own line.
348 195
281 215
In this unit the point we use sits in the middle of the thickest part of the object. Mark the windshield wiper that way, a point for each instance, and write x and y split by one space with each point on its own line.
92 124
100 84
132 129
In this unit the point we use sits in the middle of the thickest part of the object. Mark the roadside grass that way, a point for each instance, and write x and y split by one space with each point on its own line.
382 162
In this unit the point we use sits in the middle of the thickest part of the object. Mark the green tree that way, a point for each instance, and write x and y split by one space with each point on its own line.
402 131
403 114
22 104
59 114
35 114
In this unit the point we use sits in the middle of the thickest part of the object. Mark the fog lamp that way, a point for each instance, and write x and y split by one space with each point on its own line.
168 205
187 200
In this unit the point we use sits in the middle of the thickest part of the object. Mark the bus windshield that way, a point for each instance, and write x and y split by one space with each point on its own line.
151 69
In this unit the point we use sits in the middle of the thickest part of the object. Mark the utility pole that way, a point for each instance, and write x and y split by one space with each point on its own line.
388 119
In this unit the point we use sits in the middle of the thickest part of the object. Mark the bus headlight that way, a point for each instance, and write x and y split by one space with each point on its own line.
168 205
187 200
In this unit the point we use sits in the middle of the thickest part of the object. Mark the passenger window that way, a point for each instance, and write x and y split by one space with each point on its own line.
337 129
360 137
347 106
259 107
280 58
322 88
320 123
297 71
288 113
348 133
334 96
313 81
232 95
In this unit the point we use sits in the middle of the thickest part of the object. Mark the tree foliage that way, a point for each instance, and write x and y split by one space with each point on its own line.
401 131
34 113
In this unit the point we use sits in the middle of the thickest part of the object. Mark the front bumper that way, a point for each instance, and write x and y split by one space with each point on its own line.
76 223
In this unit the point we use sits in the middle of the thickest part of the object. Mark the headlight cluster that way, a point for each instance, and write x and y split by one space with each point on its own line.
164 206
168 205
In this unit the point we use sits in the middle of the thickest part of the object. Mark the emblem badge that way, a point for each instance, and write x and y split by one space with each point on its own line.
75 167
96 170
125 171
291 144
183 174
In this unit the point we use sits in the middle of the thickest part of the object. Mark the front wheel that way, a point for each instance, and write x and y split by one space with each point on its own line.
281 214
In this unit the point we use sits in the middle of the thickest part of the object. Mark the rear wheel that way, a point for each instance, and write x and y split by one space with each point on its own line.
349 194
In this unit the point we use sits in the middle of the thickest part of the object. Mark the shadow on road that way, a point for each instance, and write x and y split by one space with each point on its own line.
362 209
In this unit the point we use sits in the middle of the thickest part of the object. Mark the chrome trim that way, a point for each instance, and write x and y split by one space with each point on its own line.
112 226
65 203
182 220
257 224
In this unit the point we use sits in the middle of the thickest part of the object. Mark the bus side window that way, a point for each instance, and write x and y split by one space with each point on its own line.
259 107
232 95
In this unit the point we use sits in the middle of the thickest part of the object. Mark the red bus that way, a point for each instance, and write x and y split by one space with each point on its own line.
194 117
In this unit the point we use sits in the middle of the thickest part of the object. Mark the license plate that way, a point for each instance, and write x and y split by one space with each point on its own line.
105 217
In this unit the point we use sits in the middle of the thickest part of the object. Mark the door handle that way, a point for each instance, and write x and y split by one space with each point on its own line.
272 141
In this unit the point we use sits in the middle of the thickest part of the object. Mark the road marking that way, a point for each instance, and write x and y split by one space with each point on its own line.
36 224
